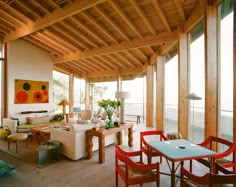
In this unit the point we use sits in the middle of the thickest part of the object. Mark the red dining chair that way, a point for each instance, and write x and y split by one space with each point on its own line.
132 172
225 158
151 135
223 176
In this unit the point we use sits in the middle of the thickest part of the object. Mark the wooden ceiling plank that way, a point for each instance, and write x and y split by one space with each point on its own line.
112 57
143 16
51 42
47 12
10 18
135 59
112 23
76 33
15 13
99 63
141 53
75 67
60 40
123 61
109 61
89 31
20 3
56 16
8 25
72 38
100 27
137 43
84 65
121 55
180 10
125 17
161 14
41 45
95 66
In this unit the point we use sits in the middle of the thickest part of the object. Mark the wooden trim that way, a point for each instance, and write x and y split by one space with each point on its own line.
183 85
160 93
149 97
6 84
210 30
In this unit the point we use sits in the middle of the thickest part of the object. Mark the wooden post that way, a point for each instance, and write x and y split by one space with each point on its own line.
211 76
183 84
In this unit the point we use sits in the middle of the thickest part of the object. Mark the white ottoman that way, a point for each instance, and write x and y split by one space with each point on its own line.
16 137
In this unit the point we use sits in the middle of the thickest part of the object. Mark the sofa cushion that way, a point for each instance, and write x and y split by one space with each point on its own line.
22 117
35 120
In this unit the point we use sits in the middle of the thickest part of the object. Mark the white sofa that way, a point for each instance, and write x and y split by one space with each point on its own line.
74 142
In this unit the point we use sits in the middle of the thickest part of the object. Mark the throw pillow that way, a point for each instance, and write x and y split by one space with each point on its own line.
36 120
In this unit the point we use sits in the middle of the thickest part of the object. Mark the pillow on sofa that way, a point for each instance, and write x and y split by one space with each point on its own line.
22 117
51 114
36 120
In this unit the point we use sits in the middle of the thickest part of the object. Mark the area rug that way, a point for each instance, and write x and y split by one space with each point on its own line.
28 154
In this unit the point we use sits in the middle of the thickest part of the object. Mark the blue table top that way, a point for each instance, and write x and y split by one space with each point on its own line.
180 149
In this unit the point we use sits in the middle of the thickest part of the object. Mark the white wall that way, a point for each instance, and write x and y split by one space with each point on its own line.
28 63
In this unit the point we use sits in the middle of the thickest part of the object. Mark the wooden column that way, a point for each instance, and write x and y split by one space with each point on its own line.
234 76
160 92
71 92
210 30
149 99
183 85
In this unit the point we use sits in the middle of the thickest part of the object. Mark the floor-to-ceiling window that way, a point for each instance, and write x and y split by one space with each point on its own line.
171 95
102 90
135 104
226 70
60 89
197 84
79 95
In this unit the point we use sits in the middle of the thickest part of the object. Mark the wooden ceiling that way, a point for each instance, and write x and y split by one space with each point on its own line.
98 38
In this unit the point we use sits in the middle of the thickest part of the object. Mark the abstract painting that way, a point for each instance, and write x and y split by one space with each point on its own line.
29 91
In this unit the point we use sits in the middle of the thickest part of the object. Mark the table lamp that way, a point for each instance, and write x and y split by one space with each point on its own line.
64 103
122 95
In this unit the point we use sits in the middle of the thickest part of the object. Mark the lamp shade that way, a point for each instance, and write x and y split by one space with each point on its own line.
122 95
63 102
193 96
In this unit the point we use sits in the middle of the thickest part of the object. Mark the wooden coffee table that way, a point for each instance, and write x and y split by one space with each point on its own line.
41 134
101 133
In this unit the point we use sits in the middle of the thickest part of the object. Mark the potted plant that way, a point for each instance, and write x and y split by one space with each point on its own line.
110 107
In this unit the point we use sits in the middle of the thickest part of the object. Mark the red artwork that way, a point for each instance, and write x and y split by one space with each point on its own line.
27 91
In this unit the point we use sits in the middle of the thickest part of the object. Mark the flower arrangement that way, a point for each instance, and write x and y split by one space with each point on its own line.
109 106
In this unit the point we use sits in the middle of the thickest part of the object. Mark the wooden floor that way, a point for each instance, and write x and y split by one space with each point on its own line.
68 173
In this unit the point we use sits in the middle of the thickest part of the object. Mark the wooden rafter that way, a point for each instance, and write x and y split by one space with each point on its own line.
125 17
122 47
180 10
56 16
143 16
112 23
161 14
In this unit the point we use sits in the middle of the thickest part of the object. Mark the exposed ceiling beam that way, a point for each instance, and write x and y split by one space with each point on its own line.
125 17
136 43
143 16
56 16
161 14
180 9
